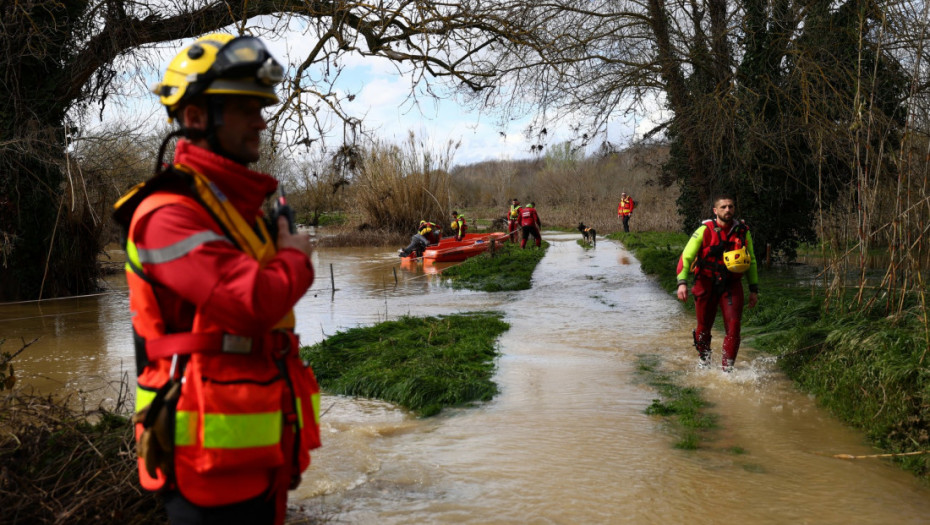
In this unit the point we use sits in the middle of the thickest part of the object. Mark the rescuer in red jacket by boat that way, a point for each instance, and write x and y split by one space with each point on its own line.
428 234
459 226
529 222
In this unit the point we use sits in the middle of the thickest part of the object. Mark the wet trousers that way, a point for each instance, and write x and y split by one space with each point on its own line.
730 303
256 511
626 222
512 229
418 243
527 231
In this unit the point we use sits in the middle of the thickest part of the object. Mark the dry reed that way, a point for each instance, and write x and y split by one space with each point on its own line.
60 467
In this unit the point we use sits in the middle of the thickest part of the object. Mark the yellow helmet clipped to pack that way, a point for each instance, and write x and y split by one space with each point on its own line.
220 64
737 261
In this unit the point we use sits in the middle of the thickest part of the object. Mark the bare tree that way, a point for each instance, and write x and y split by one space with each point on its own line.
63 58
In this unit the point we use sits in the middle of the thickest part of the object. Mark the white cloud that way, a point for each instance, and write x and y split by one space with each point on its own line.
383 99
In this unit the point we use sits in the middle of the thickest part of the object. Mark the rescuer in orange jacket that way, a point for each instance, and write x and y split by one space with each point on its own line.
719 252
625 210
226 410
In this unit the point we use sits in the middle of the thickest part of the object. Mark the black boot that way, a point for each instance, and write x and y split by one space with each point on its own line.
702 344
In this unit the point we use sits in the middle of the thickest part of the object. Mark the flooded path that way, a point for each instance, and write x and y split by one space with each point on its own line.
566 440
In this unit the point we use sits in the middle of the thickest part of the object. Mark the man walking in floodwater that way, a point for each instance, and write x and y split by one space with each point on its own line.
719 252
226 411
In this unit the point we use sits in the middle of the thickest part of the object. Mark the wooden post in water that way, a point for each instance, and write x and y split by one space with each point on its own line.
332 282
395 275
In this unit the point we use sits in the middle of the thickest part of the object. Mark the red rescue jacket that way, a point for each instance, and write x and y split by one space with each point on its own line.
211 299
626 206
529 217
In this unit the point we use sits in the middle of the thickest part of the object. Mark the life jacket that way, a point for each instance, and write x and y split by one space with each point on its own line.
459 226
248 410
514 212
709 262
432 232
626 206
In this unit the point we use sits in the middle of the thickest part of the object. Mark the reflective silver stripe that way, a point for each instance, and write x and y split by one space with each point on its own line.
179 249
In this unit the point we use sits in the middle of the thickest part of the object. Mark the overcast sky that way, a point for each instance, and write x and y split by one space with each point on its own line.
382 98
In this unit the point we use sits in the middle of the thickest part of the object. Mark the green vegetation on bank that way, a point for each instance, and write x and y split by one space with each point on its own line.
682 404
508 268
423 364
867 367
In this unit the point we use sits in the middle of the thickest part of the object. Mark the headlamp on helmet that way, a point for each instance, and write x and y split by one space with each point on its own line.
737 261
220 64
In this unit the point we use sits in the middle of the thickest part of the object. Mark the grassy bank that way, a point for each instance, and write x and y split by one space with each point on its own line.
683 405
423 364
868 368
508 268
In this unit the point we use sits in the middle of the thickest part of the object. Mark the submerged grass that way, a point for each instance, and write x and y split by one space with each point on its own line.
423 364
508 268
866 366
682 405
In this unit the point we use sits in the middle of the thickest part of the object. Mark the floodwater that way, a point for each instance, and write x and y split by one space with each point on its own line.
566 441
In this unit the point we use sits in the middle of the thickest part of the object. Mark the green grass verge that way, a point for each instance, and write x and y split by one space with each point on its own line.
423 364
508 268
867 366
682 405
584 244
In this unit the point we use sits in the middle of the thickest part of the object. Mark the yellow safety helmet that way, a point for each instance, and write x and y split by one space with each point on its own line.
737 261
220 64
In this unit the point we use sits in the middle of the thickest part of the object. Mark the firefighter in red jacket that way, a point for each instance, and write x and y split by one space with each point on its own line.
625 210
529 222
226 410
719 252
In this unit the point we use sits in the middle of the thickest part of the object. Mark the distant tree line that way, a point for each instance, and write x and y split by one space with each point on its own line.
813 112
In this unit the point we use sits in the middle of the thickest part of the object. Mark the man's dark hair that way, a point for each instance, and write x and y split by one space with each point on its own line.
723 196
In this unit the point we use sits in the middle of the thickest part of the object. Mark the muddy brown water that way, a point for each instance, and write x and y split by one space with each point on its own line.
566 441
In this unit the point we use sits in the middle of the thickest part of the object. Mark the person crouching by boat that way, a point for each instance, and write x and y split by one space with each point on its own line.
459 226
428 233
529 222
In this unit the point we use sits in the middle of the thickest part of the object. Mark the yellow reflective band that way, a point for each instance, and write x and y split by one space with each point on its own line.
144 397
315 402
316 407
132 254
185 428
241 430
